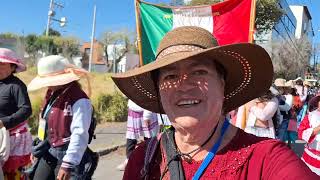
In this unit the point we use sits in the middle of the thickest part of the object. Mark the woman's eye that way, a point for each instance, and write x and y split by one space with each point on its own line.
200 72
170 77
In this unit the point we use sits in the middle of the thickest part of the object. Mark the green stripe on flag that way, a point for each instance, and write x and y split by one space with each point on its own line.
155 23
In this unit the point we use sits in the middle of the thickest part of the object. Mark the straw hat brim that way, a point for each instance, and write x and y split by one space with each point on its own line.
249 75
57 80
20 67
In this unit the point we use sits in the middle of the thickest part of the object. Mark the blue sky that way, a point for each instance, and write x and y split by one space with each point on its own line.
30 16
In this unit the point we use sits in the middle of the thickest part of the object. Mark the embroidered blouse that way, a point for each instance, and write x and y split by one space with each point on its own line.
246 157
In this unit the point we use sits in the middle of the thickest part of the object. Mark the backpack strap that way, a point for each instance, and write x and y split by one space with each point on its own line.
152 146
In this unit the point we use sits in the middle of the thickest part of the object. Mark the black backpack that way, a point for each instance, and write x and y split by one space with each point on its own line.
92 127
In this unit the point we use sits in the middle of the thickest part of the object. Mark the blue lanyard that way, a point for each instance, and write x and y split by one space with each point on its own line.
212 152
48 108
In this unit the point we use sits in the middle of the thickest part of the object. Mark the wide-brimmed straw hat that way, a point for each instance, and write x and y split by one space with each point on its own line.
9 56
55 70
290 84
249 69
307 83
279 82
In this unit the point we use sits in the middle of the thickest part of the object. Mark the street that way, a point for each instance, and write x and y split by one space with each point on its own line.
107 166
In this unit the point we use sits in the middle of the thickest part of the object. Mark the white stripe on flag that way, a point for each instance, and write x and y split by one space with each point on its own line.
201 16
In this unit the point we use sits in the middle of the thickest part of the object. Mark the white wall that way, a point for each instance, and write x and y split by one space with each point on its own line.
303 21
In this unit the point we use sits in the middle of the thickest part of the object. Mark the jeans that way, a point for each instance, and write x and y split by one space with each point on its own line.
50 163
282 131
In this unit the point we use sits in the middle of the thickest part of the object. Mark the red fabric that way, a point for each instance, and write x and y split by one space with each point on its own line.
60 115
303 126
15 162
246 157
232 24
310 160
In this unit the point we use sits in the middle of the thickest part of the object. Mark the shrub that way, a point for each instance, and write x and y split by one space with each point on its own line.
111 107
33 120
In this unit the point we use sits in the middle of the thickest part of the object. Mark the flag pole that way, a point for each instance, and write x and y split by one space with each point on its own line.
138 23
252 20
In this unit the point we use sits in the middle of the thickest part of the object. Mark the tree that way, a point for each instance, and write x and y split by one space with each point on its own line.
291 59
117 44
30 45
268 12
52 32
67 46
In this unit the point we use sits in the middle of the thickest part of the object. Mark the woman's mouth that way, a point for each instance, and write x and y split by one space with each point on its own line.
187 103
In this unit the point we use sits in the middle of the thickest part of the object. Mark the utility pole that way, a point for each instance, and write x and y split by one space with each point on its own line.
92 37
51 14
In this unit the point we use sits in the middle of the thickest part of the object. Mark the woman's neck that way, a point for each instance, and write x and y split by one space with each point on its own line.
191 140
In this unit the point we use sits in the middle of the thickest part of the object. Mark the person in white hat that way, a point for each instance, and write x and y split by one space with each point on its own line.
65 119
15 109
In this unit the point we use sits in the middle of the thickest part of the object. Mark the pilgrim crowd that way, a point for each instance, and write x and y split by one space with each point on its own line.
197 114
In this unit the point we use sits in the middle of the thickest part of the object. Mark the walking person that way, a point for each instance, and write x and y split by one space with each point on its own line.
140 123
65 120
309 131
285 105
196 83
15 109
261 111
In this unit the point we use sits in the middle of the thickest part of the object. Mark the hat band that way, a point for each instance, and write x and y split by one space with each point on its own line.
65 71
179 48
9 58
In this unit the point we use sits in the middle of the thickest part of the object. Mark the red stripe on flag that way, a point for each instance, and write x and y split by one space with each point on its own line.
231 21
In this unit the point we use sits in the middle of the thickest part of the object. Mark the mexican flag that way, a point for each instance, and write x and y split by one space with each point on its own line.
231 21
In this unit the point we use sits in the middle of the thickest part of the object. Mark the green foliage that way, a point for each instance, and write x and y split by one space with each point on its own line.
8 36
111 107
33 120
268 13
68 46
52 32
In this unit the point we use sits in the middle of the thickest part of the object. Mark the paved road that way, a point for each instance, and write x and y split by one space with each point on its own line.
109 135
107 166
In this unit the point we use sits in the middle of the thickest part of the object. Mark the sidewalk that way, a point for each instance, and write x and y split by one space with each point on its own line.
110 136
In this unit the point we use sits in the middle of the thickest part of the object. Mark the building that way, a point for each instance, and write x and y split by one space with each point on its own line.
283 31
98 61
304 21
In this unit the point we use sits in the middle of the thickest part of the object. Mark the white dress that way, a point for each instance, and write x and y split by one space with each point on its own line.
264 114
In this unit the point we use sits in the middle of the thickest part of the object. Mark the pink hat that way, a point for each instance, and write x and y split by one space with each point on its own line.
9 56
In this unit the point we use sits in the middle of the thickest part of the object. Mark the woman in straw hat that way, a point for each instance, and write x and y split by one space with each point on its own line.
196 83
64 121
309 130
15 109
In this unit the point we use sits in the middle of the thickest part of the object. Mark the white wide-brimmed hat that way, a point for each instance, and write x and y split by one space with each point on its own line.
9 56
55 70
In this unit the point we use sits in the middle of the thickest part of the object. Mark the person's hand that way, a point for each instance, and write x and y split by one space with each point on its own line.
33 159
63 174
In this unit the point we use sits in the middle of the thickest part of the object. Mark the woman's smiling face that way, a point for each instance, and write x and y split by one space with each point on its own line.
192 93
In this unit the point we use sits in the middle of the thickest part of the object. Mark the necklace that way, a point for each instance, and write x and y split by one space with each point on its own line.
187 156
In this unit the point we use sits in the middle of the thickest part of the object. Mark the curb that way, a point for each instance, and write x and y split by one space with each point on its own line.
106 151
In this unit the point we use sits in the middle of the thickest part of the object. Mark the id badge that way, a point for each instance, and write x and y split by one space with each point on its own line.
42 129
